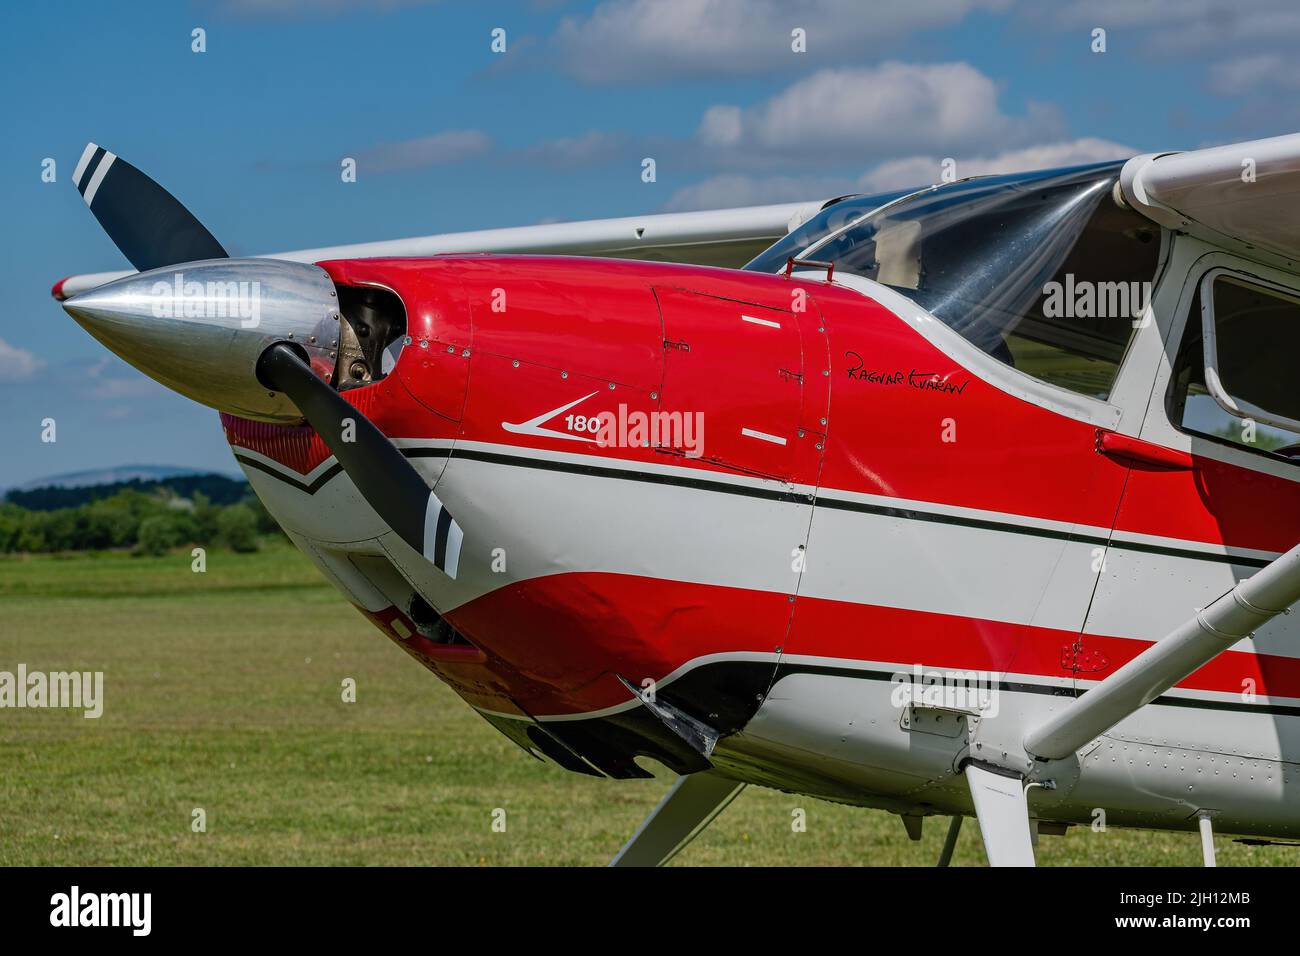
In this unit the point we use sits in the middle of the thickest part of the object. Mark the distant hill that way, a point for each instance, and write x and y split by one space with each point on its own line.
110 476
77 488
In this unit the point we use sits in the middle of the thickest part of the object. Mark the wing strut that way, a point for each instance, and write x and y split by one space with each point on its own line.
690 806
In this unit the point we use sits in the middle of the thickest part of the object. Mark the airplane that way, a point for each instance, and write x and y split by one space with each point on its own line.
975 499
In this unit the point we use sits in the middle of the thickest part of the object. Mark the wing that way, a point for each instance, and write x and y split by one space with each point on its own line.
716 237
1242 195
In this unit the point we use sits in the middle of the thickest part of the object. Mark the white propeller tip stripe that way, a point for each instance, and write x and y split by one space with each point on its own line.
83 163
100 172
455 537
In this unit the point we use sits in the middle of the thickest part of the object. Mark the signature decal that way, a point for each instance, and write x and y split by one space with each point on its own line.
924 381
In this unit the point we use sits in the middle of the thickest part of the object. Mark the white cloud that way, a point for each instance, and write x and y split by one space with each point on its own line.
439 149
1264 71
733 189
738 189
857 112
1178 25
111 379
833 118
568 152
1258 37
312 8
451 147
667 40
924 170
17 365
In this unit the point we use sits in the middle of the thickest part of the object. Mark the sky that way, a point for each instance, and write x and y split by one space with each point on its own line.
448 134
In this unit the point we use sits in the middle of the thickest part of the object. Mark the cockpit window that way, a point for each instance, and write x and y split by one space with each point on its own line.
1043 271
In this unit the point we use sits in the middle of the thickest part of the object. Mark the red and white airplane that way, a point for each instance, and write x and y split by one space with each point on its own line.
977 498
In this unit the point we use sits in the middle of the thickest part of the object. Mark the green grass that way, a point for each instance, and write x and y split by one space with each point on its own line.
222 691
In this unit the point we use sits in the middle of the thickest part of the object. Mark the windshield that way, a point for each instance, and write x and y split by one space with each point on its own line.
1005 262
832 218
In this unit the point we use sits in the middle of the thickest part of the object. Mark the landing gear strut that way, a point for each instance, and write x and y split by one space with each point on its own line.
688 807
1003 814
950 841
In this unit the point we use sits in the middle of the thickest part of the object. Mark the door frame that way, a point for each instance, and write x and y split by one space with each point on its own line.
1193 259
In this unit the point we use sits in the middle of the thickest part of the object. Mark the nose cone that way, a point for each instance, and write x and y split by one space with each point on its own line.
200 328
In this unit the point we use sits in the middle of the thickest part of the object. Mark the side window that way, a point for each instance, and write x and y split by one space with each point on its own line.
1257 338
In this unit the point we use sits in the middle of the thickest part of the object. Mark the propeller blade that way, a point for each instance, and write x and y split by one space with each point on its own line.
144 220
381 473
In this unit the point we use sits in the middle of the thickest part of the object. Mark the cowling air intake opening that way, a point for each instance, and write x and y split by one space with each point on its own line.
371 335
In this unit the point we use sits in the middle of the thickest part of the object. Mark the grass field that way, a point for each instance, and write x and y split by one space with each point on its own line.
222 692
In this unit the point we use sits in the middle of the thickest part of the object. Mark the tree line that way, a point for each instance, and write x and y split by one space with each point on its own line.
145 522
218 489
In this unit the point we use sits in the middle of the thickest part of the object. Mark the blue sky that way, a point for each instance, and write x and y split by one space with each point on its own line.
449 135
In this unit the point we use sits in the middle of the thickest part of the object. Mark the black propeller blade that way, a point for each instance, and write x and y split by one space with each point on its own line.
145 221
381 473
